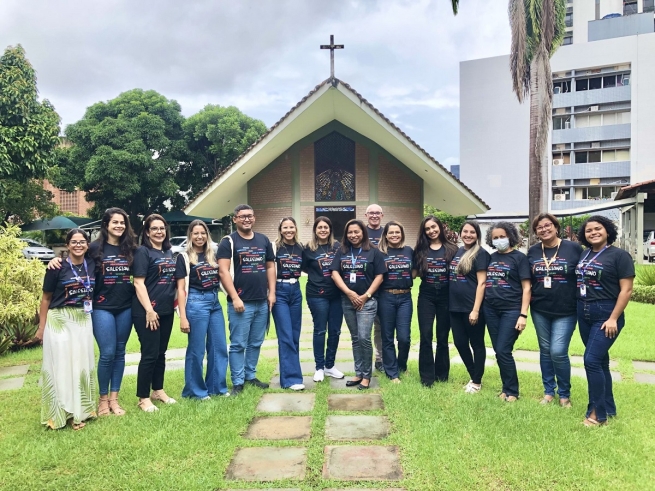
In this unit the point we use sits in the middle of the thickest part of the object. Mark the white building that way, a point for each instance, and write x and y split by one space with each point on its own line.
603 135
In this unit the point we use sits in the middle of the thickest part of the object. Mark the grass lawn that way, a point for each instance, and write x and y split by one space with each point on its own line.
448 439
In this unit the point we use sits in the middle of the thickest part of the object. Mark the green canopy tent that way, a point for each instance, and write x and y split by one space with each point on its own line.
56 223
178 217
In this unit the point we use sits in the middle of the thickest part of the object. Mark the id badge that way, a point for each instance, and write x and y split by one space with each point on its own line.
88 306
547 282
583 290
353 277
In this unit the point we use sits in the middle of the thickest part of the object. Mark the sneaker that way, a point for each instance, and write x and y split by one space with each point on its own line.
333 372
378 366
237 389
467 384
206 398
319 376
472 388
257 383
224 394
297 387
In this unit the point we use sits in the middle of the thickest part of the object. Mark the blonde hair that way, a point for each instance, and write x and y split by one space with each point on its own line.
466 262
383 246
313 242
279 241
210 257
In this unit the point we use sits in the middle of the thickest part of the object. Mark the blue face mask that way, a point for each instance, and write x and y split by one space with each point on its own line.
501 244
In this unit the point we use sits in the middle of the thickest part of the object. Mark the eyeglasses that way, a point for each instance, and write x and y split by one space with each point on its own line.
157 229
374 213
546 226
77 243
245 218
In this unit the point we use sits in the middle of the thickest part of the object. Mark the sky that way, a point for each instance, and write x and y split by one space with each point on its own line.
262 56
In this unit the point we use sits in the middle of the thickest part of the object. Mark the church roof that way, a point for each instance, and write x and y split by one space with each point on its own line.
331 100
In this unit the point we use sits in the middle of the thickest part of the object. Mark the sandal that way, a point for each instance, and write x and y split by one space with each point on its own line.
502 396
77 426
589 422
565 402
115 407
147 406
511 399
103 407
471 388
546 400
167 400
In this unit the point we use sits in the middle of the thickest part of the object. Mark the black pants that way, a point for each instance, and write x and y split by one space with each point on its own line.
153 354
433 367
467 337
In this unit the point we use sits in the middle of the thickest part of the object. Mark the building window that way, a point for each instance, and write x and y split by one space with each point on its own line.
568 19
591 157
334 166
561 122
630 7
562 87
454 170
68 201
568 40
649 5
601 119
561 194
595 192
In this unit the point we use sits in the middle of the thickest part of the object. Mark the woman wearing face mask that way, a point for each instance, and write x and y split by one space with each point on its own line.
506 301
432 255
395 300
552 305
323 298
605 277
468 274
287 311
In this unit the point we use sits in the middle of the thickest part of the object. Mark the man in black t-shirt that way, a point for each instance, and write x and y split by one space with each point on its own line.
246 264
374 217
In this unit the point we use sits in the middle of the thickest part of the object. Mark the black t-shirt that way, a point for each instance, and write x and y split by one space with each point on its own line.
249 259
70 287
559 299
434 283
399 265
289 261
202 275
374 235
503 290
158 269
114 289
462 288
319 275
601 273
367 265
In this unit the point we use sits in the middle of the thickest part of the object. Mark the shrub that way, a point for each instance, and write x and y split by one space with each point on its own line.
645 275
643 294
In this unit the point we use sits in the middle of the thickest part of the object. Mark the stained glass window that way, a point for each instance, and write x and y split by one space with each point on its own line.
334 166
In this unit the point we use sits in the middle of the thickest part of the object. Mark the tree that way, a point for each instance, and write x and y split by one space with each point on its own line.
537 31
125 152
452 223
215 137
29 132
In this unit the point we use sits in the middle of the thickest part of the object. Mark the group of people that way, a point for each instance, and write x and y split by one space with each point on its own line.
104 287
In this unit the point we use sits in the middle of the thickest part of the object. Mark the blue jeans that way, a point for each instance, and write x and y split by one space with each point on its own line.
554 335
360 325
501 325
207 334
287 314
247 333
111 330
591 316
395 315
326 312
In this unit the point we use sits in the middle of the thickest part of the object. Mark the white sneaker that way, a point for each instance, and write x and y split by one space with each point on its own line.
333 372
297 387
319 376
467 384
473 389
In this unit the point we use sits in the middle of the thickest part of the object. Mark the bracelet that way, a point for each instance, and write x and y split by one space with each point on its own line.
525 316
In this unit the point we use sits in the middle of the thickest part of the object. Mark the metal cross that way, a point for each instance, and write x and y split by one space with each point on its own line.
332 47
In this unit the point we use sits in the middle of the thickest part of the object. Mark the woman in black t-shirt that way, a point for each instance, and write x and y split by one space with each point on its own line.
605 275
68 384
506 301
152 309
432 255
395 304
201 315
552 305
357 271
468 274
323 298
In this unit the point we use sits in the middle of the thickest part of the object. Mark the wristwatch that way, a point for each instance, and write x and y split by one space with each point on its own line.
368 295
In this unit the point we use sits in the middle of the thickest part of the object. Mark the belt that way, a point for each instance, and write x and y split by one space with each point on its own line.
397 292
291 281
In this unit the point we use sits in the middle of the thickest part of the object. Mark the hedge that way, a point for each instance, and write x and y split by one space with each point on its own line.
643 294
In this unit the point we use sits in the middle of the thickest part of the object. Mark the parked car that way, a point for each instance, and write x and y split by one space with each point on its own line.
179 245
649 245
34 250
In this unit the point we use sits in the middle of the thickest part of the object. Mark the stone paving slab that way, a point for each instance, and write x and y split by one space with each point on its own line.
279 428
12 383
278 403
356 427
342 355
308 381
170 365
488 362
365 463
14 371
341 384
267 464
644 378
643 365
580 361
309 367
355 402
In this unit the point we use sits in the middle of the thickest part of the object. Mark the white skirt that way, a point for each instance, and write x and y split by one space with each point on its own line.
68 374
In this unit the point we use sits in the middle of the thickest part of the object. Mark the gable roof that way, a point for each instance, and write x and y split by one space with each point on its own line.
332 100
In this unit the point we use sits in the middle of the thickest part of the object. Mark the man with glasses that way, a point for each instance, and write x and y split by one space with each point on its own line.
374 225
246 265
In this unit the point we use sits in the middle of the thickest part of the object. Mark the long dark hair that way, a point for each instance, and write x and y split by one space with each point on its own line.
366 245
422 248
145 240
127 242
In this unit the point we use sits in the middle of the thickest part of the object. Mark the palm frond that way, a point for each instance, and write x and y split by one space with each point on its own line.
455 6
519 61
87 393
57 320
51 411
548 24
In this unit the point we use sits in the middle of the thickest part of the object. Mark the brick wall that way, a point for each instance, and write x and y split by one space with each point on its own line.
261 190
361 173
307 173
305 223
396 184
268 220
409 217
73 202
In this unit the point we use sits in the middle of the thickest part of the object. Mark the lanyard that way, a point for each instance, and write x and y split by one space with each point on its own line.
87 284
552 259
353 258
584 268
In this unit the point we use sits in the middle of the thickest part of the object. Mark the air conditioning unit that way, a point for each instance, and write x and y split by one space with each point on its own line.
567 125
558 161
560 197
595 144
593 108
613 195
557 90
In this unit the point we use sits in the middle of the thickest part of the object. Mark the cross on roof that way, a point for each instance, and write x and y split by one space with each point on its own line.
332 47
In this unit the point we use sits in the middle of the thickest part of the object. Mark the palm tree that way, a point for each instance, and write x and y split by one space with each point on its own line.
537 31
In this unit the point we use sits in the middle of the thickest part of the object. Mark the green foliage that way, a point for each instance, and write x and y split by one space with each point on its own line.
643 294
645 275
453 223
25 201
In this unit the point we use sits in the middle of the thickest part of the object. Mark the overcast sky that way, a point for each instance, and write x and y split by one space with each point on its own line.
261 55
